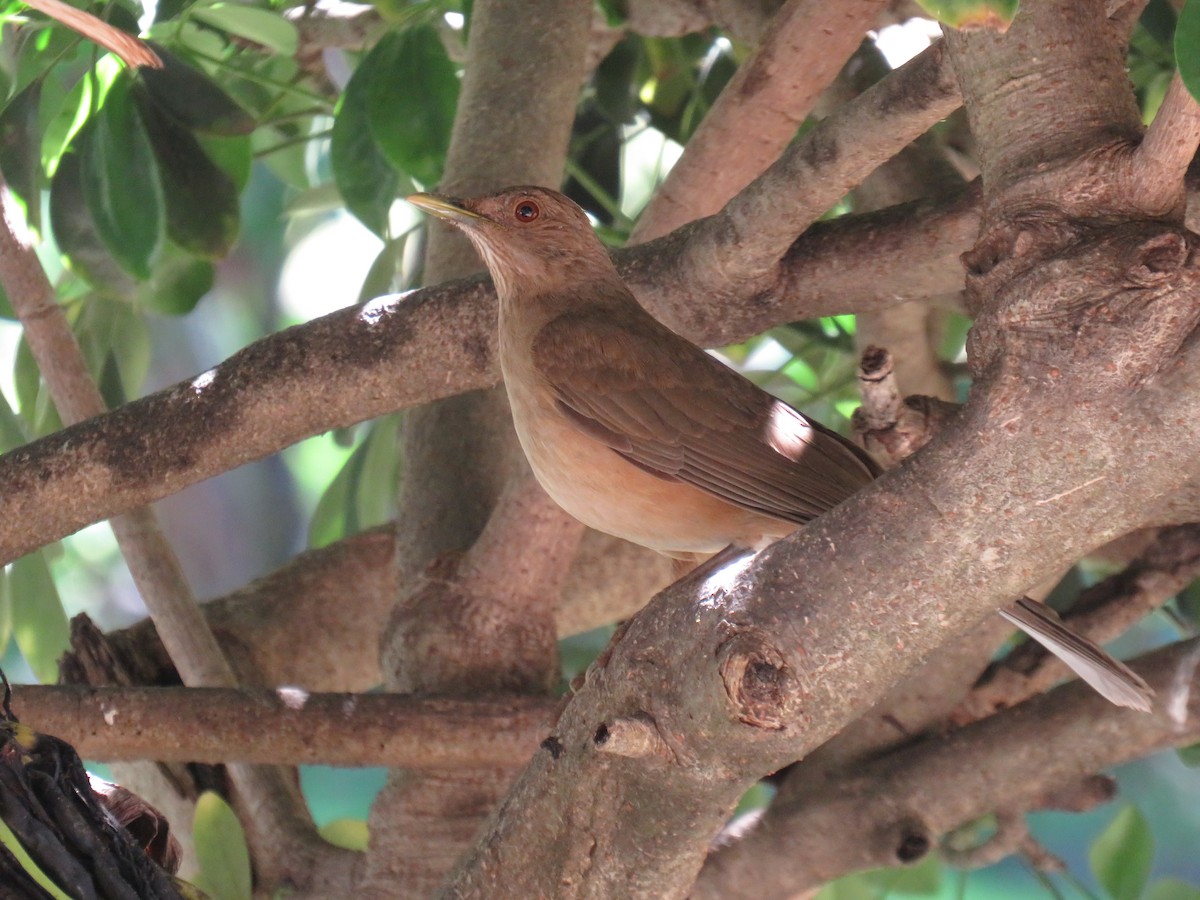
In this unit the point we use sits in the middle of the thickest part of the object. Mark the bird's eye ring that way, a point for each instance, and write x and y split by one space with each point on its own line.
526 211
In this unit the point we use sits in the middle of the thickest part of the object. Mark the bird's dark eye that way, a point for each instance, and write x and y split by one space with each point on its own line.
526 211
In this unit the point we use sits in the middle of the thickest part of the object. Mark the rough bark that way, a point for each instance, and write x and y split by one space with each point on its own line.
1082 327
483 561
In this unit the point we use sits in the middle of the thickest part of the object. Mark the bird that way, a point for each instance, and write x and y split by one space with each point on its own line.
639 433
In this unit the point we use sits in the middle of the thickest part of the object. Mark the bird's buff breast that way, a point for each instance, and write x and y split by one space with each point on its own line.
597 486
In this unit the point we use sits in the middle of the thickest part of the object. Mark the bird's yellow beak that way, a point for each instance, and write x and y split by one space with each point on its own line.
449 208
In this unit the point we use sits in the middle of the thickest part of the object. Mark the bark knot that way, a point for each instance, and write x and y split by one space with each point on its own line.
635 737
757 680
1106 306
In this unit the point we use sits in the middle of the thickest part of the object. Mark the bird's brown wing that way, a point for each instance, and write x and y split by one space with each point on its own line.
668 407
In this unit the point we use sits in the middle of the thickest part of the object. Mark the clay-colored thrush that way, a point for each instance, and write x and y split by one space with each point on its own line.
639 433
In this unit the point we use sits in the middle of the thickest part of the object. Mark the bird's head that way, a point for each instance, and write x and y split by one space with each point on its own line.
529 237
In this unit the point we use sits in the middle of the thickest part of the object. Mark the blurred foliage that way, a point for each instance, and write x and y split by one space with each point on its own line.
221 850
966 14
925 879
139 183
1121 857
1187 46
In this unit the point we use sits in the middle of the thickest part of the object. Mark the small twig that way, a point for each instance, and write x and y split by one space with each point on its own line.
635 737
881 400
132 51
288 726
1162 160
1011 834
1041 859
151 560
893 428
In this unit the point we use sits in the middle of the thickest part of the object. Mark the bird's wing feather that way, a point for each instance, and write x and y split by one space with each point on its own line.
1110 677
697 421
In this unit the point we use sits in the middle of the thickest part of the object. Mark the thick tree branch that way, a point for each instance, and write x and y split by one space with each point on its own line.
890 811
850 144
746 240
749 676
758 112
472 509
1076 110
775 692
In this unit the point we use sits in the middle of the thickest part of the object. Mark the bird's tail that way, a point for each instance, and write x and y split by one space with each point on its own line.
1111 678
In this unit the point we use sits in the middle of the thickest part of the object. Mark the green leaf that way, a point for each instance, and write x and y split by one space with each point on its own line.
39 622
383 270
1189 756
361 494
364 177
1158 22
192 38
321 198
1187 46
285 155
9 840
72 115
76 234
115 340
232 155
412 92
1153 95
1122 855
131 349
968 14
176 284
923 880
34 405
12 434
802 374
757 797
120 182
27 379
331 519
221 849
21 150
375 491
858 886
201 200
349 834
1172 889
263 27
170 10
192 98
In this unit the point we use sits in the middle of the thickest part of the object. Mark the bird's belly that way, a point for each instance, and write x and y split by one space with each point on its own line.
605 492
